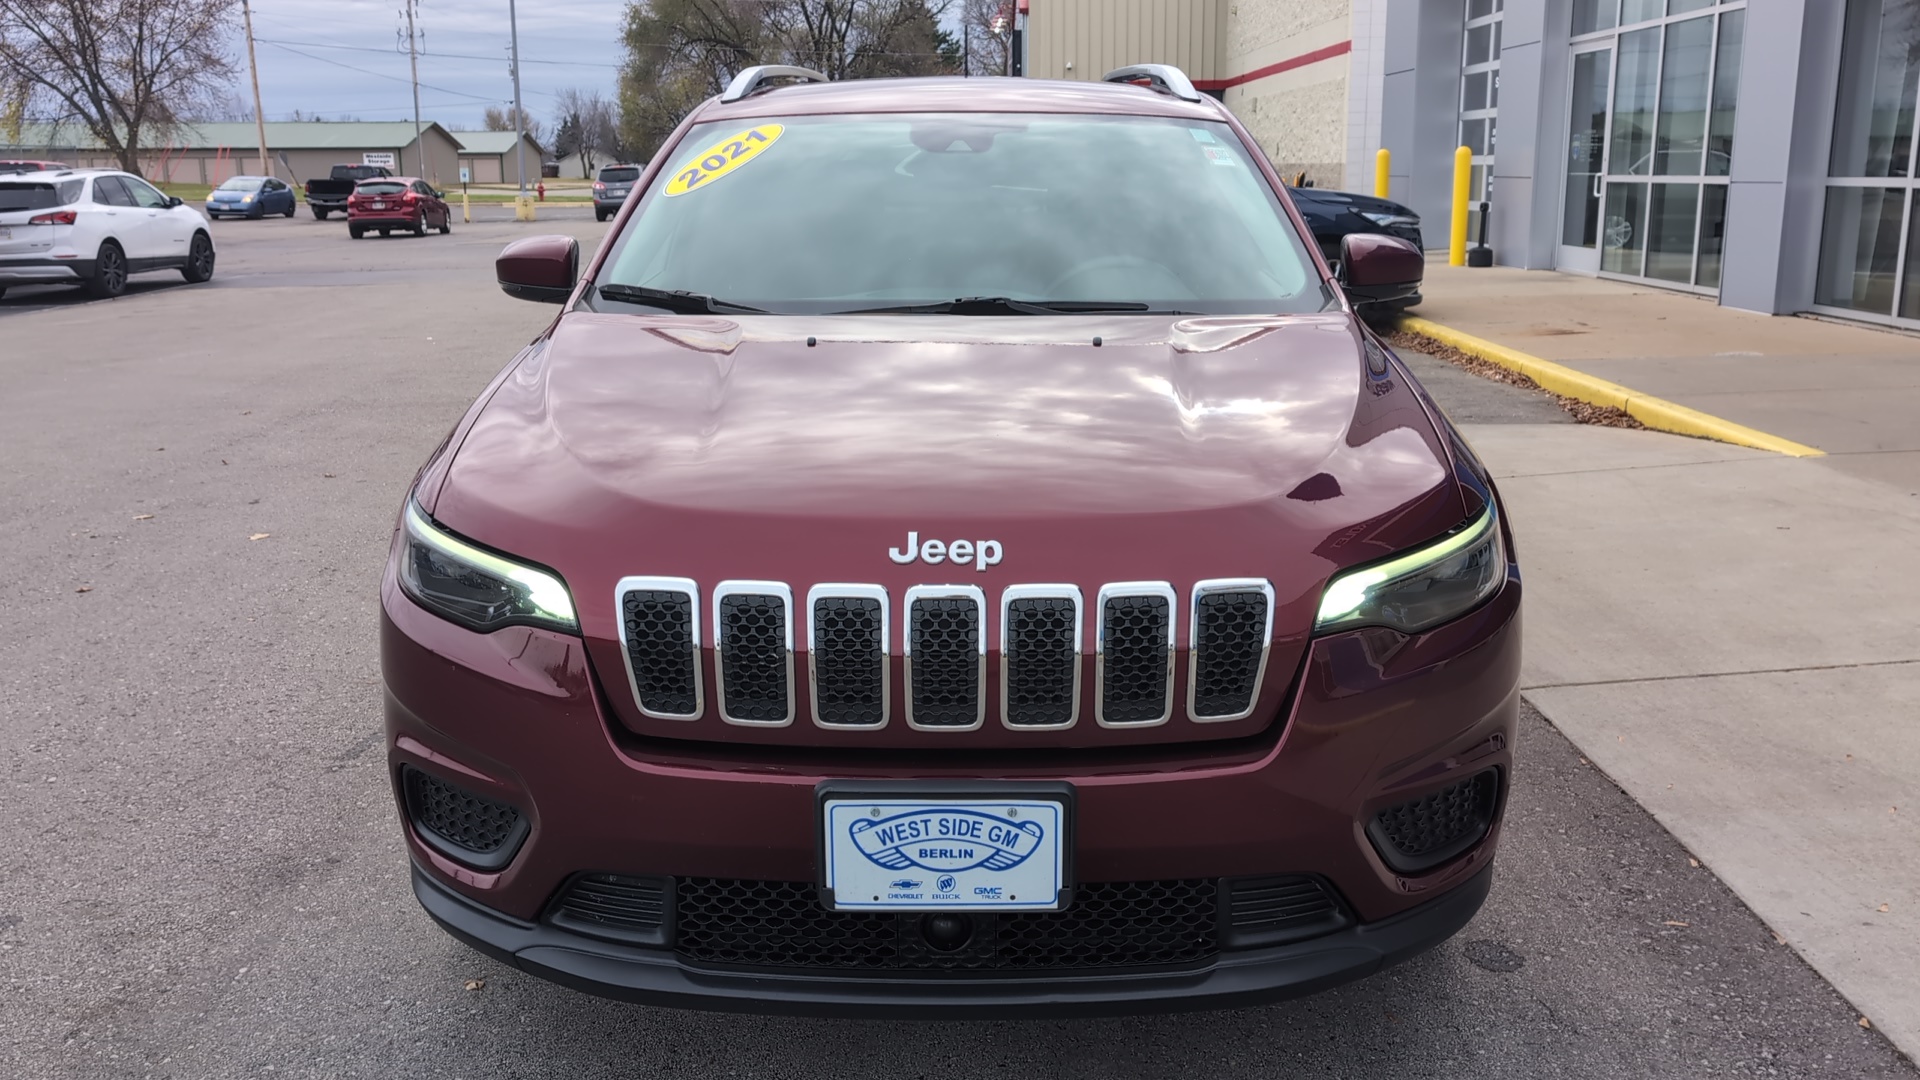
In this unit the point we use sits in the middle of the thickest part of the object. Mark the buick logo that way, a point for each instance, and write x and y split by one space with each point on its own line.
981 553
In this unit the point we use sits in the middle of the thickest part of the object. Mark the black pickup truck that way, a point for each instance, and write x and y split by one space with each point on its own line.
327 195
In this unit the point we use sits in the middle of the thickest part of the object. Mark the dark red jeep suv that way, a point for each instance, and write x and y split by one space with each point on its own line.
957 552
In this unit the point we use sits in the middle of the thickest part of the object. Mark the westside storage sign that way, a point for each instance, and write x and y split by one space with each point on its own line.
382 158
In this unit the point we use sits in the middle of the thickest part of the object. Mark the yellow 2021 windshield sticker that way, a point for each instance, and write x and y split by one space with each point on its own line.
722 158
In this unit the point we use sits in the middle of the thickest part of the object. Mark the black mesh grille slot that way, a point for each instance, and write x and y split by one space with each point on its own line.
1423 833
849 663
1229 643
1135 631
659 628
778 924
1272 910
946 661
751 638
614 906
1039 660
469 827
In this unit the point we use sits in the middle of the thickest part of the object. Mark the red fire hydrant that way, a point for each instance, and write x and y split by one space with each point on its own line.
541 189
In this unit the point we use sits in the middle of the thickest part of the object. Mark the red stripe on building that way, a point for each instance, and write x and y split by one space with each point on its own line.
1314 57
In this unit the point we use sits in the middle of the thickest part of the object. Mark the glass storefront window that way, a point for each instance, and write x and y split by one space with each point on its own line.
1594 15
1623 238
1713 234
1910 289
1671 216
1633 95
1860 248
1726 93
1681 135
1633 11
1879 74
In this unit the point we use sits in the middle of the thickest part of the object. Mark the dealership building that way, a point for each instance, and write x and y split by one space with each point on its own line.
1760 152
298 150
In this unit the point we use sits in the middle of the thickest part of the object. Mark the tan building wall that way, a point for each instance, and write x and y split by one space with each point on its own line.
211 166
1085 39
1287 67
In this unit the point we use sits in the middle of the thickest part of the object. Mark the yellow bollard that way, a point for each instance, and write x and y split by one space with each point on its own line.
466 212
1462 179
1382 173
523 209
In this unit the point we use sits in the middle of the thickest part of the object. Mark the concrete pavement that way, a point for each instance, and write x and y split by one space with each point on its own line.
1730 633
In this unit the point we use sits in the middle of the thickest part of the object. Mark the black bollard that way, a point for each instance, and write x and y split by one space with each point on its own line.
1481 254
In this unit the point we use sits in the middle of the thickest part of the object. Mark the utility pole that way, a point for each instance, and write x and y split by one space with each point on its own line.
413 61
253 69
519 114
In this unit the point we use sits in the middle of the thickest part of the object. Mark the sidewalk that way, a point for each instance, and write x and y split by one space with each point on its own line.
1733 635
1853 392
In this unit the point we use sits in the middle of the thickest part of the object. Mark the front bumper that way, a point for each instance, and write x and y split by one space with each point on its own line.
1375 719
1249 977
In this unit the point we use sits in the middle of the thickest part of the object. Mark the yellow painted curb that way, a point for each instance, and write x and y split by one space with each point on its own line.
1657 413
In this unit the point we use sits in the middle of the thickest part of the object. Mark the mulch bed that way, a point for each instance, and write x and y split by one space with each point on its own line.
1581 411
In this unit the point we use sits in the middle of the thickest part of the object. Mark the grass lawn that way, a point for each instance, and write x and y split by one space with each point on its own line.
192 193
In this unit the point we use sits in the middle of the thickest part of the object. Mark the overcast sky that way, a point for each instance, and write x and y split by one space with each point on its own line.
562 43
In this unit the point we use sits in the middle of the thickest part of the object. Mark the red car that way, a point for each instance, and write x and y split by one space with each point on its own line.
396 202
10 166
956 552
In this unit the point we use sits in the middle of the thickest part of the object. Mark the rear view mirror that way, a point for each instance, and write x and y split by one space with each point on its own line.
539 268
1381 274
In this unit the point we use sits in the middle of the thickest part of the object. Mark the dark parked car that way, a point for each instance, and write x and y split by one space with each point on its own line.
611 189
397 202
1335 215
956 552
251 197
328 194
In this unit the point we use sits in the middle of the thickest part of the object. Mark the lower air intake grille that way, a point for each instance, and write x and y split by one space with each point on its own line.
472 828
751 638
778 924
849 664
1274 910
619 908
946 662
1039 660
659 639
1425 832
1229 644
1135 633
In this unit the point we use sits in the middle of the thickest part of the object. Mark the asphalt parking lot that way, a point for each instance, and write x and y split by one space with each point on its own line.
206 879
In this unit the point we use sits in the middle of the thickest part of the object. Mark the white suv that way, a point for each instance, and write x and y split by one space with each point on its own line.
94 227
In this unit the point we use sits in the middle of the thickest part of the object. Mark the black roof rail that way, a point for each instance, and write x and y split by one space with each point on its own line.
1163 78
753 79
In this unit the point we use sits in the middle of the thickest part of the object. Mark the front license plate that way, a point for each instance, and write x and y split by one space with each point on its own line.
5 233
895 848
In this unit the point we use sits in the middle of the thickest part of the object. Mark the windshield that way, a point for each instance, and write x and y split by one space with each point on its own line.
241 183
380 187
848 213
619 176
23 195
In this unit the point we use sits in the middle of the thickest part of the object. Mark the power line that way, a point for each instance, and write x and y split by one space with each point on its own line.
376 74
442 55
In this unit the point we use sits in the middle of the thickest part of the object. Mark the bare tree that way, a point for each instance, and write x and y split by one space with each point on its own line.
500 118
988 36
126 70
586 123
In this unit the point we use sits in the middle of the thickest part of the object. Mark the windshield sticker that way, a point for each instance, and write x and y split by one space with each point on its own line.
1200 134
723 157
1219 155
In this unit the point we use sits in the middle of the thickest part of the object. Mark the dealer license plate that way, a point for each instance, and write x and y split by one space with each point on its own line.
936 853
377 206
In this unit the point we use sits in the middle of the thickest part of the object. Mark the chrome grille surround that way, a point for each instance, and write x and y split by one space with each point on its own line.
691 590
1201 589
1008 596
974 595
780 591
876 594
1131 590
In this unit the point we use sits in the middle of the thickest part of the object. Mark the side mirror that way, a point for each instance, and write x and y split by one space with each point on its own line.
174 200
1381 274
539 268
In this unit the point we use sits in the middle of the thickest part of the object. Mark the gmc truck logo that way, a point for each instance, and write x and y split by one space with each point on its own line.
981 553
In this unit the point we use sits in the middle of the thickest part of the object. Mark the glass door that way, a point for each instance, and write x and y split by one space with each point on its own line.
1586 159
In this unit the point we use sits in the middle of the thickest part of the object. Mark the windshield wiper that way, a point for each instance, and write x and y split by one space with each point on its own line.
1005 305
678 301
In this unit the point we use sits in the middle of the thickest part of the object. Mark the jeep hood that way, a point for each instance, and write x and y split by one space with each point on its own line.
1171 450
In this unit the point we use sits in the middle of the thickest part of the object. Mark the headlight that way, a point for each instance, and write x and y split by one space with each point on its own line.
1387 220
476 588
1423 587
246 198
